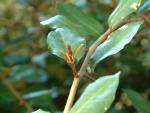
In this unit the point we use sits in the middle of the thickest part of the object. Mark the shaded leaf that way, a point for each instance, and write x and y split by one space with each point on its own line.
138 101
144 58
88 24
28 73
59 40
115 42
98 96
39 99
40 59
16 59
40 111
116 110
124 8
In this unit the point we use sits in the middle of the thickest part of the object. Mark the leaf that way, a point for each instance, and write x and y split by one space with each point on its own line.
138 101
11 60
60 21
39 98
87 23
98 96
59 39
37 94
115 42
40 111
144 7
40 59
27 73
124 8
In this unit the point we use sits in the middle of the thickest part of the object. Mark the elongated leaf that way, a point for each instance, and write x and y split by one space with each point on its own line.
40 111
59 40
87 23
98 96
124 8
60 21
142 105
115 42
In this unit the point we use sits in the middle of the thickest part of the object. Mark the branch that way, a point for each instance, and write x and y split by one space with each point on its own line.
18 96
72 94
82 72
101 39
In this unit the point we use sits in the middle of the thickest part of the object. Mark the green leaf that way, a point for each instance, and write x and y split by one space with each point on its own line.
115 42
124 8
138 101
72 18
60 21
144 7
59 40
98 96
27 73
40 111
39 99
88 24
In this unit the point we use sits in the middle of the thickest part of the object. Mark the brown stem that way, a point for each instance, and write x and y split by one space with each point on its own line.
18 96
83 68
98 42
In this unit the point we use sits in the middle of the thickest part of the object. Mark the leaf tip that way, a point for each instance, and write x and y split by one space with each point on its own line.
117 74
44 22
40 111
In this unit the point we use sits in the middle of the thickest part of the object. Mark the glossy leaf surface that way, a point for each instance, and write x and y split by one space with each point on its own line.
124 8
59 40
60 21
98 96
115 42
87 24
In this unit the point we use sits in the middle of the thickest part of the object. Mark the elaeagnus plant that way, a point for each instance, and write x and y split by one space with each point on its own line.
68 41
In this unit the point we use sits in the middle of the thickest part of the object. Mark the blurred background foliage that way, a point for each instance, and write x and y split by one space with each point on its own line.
43 80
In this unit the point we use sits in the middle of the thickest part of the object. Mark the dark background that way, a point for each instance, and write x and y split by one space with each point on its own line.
44 80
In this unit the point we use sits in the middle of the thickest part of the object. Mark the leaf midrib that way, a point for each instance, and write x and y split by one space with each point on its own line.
82 22
78 110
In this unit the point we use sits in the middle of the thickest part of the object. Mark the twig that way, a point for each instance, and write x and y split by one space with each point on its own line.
18 96
114 3
82 72
98 42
